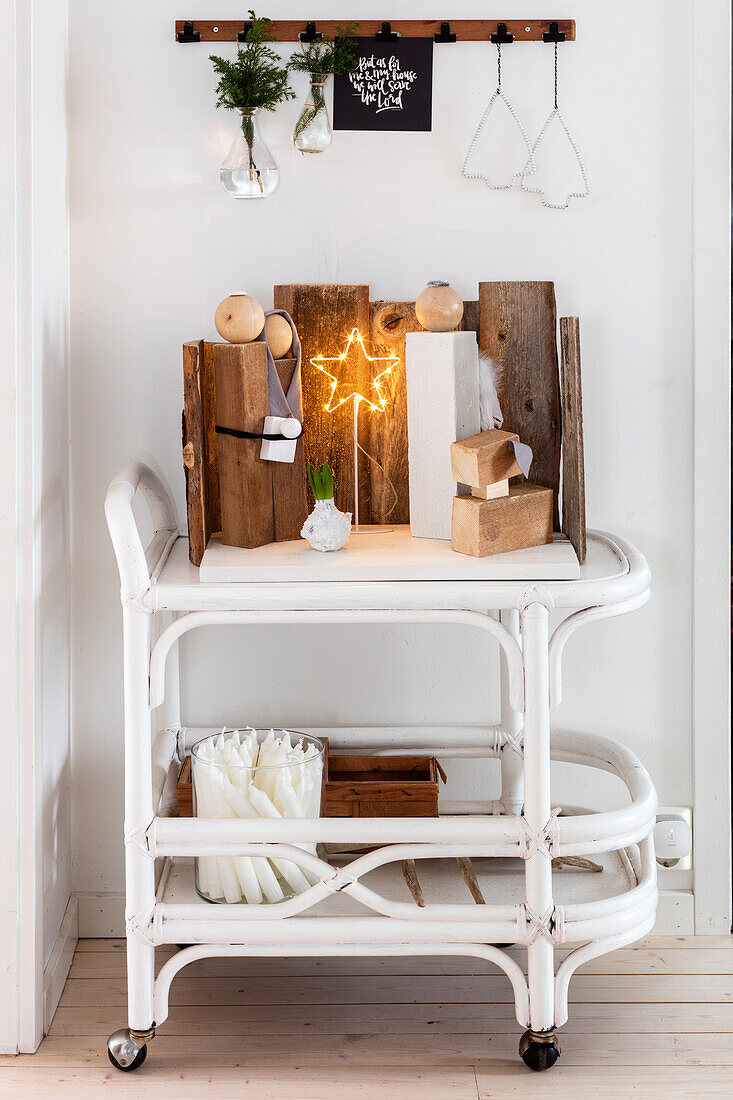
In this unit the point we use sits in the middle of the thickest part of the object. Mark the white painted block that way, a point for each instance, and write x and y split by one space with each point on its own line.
491 492
442 406
279 450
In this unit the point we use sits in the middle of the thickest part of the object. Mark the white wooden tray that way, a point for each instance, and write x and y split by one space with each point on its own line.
390 556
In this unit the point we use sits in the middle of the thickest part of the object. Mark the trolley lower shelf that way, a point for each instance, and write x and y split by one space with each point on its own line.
440 880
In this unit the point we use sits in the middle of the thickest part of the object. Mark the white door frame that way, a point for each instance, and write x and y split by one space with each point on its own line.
21 908
711 91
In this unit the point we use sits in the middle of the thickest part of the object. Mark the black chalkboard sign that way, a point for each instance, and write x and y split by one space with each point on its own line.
390 89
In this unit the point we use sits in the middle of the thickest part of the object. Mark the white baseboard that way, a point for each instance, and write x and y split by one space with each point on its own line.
103 915
57 968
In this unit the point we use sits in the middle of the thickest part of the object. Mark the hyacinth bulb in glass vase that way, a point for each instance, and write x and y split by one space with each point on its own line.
255 81
319 60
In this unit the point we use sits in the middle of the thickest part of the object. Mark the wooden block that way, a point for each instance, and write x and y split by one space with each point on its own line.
289 482
573 471
483 527
491 492
324 315
485 458
194 451
242 403
443 405
518 322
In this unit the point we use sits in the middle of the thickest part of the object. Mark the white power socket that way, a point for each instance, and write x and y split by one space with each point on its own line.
673 837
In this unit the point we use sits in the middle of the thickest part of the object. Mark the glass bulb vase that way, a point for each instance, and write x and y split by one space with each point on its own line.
313 132
249 170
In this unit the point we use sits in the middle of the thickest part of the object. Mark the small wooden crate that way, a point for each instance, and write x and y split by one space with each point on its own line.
360 786
381 786
184 789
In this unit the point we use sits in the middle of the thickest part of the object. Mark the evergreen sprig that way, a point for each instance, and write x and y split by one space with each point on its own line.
257 78
329 57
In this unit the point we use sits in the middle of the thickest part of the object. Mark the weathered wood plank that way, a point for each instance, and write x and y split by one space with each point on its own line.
573 470
194 450
213 489
389 323
324 315
242 403
517 328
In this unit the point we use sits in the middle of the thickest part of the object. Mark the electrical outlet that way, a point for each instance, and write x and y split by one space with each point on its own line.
673 837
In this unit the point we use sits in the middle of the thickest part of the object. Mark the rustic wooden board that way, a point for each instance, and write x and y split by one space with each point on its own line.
324 315
517 328
389 323
247 513
573 471
289 494
208 392
194 451
466 30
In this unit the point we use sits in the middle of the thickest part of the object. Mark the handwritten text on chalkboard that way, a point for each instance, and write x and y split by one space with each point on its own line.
390 89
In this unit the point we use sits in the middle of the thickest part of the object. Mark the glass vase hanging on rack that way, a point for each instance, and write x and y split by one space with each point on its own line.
313 132
249 170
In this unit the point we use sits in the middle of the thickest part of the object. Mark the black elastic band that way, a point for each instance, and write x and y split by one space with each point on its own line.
248 435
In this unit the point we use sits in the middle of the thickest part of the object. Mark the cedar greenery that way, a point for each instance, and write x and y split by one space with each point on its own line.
321 481
329 57
257 78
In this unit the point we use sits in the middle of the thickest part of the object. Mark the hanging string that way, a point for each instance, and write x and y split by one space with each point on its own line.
498 66
556 76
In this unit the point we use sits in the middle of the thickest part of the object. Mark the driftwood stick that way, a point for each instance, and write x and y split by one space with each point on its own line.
409 872
469 875
575 861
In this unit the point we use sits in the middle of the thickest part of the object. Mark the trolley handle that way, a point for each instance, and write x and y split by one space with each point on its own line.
137 564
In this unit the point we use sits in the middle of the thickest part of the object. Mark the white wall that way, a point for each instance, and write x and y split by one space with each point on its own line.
156 243
51 465
35 516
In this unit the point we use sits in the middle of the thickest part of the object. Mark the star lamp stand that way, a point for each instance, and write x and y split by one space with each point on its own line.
344 371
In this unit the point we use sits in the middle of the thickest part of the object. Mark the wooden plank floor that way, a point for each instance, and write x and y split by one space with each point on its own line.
654 1021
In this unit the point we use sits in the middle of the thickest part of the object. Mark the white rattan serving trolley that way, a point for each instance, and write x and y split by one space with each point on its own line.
362 907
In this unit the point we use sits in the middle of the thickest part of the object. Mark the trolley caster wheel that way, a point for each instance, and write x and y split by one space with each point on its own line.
125 1052
539 1049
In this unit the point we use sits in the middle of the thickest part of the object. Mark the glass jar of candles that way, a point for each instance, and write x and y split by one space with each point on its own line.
249 773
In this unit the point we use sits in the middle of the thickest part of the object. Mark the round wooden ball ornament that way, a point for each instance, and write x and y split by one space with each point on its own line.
279 335
439 308
239 319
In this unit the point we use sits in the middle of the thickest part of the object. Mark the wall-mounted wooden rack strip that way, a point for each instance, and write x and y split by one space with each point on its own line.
465 30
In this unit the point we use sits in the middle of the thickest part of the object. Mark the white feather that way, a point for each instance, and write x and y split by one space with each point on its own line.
490 374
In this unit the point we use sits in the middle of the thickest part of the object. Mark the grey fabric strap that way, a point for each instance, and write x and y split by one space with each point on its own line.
282 404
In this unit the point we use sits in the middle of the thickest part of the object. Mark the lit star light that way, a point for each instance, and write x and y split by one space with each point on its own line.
348 370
